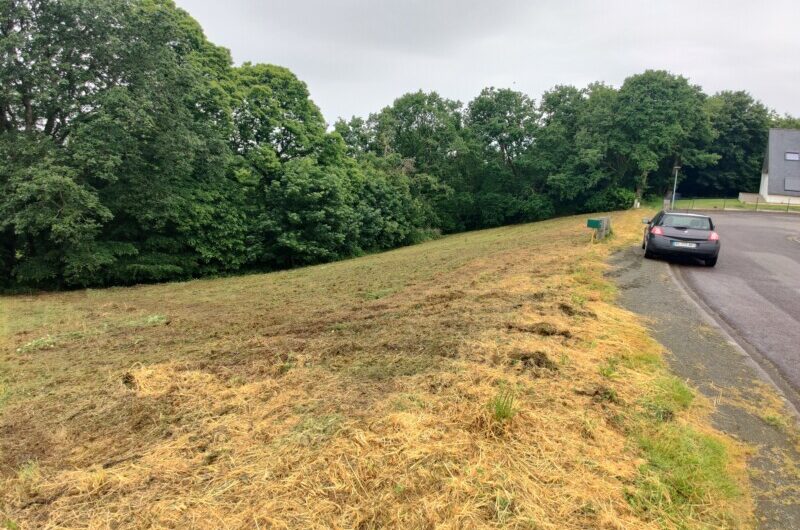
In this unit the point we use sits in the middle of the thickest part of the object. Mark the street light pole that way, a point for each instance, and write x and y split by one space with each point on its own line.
674 188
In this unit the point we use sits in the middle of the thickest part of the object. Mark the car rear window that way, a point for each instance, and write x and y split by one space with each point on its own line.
683 221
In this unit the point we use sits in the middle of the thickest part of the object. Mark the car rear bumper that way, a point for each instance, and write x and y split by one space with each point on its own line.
662 245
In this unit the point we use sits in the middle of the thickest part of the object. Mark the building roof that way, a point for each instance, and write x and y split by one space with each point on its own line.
780 163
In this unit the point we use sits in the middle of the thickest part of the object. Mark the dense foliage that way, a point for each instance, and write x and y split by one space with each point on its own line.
133 150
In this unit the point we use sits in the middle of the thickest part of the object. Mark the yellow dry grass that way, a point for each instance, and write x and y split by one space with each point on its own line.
349 395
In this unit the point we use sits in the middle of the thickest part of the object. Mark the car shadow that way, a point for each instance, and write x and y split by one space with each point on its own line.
686 261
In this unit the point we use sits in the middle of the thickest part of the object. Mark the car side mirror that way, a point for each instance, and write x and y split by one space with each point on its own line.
645 221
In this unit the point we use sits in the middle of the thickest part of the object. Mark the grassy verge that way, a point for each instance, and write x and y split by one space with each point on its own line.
730 204
479 380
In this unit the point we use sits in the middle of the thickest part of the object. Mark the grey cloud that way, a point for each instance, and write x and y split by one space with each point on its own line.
358 55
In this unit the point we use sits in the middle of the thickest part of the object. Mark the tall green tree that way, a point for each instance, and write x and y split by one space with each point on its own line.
506 123
127 99
421 127
308 214
272 108
554 152
501 127
785 121
422 134
661 117
741 124
49 221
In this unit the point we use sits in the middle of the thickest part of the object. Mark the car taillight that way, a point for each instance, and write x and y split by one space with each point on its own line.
713 236
657 231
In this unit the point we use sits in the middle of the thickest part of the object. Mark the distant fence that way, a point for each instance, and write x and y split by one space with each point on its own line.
746 202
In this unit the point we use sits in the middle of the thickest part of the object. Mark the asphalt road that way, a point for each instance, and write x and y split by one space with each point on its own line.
755 288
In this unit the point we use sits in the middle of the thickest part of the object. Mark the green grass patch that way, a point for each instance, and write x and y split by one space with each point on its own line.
383 369
730 204
377 294
685 479
776 420
47 342
609 368
670 396
503 506
502 406
646 361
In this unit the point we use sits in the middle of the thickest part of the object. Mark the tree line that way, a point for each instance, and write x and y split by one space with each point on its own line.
133 150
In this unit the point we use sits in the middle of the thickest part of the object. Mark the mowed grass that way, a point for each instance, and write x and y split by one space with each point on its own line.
731 204
481 380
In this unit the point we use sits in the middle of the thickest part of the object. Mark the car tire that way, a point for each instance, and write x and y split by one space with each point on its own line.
647 253
711 262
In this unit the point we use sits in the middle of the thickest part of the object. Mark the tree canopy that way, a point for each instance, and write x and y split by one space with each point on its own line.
132 149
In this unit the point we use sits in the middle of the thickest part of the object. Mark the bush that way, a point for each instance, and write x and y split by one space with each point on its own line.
536 208
610 199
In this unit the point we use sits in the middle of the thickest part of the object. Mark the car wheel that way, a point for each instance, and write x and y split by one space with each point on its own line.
711 262
647 253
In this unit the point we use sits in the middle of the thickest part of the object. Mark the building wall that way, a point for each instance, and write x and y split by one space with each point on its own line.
764 189
782 141
781 199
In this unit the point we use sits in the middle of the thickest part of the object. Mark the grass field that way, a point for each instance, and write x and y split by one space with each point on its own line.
731 204
481 380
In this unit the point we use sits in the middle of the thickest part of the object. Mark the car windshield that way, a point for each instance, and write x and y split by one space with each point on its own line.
684 221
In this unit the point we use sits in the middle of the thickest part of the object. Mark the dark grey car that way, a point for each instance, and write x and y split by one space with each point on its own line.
681 234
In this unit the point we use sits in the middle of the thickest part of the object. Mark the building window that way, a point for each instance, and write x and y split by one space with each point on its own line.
794 157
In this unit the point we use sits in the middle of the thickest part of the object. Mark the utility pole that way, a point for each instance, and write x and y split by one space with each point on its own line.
674 187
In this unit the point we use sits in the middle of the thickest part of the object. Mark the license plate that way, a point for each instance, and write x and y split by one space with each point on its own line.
684 245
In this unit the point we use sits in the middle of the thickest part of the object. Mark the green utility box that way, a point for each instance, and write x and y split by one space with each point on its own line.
601 227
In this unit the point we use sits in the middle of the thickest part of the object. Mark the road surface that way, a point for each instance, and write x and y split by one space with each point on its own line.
755 288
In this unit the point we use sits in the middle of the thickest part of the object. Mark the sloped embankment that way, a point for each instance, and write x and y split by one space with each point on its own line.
480 380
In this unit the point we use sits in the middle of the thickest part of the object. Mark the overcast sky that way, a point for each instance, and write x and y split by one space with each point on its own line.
357 56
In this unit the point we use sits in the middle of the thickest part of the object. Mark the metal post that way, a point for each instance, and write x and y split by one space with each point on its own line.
674 187
692 204
724 200
757 197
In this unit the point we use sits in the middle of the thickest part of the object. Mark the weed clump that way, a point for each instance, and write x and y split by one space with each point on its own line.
502 406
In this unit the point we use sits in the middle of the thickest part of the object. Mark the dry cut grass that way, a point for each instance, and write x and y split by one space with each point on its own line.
482 380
